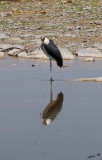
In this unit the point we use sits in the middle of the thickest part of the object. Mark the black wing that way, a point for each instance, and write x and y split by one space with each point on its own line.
52 44
54 53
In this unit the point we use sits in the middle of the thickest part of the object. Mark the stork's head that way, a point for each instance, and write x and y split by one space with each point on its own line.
45 40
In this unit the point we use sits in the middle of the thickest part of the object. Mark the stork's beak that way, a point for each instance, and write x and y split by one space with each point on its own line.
42 39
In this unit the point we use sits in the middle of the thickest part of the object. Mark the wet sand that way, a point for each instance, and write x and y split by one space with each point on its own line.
74 131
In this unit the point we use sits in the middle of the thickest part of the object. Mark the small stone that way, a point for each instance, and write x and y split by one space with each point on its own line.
98 23
27 35
2 55
23 55
14 64
78 27
33 65
3 36
17 39
69 1
2 14
89 59
70 35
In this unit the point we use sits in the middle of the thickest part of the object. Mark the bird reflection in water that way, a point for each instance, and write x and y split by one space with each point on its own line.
53 108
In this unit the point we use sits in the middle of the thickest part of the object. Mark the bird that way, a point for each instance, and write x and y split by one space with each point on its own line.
51 51
52 109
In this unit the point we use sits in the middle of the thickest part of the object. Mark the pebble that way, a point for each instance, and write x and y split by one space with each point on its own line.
23 55
89 59
2 55
17 39
3 36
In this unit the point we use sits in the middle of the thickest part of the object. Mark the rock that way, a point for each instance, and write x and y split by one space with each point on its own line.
78 27
38 54
27 35
67 55
71 44
23 55
10 46
2 55
89 59
17 39
42 12
69 1
89 52
98 45
97 79
86 8
3 14
3 36
14 52
98 22
69 35
93 30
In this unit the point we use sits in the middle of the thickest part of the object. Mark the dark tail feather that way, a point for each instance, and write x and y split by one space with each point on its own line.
60 63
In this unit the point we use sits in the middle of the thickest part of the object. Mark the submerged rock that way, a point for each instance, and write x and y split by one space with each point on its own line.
89 52
97 79
89 59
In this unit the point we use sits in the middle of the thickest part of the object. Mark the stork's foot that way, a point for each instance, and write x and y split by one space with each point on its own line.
51 79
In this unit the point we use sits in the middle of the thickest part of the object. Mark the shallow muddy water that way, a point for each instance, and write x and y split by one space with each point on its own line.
44 121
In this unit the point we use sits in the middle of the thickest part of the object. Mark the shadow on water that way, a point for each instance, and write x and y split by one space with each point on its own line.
53 108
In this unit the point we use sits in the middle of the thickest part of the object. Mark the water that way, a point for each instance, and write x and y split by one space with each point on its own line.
40 120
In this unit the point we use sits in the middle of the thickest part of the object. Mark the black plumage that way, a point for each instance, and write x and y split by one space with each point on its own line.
52 51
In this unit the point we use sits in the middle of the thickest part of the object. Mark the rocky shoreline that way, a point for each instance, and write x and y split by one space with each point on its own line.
22 52
75 27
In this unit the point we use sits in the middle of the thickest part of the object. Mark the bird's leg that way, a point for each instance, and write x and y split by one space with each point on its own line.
51 70
51 93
